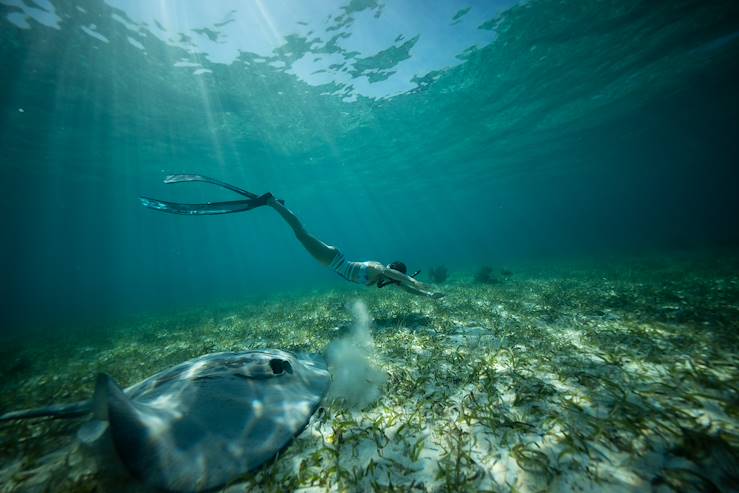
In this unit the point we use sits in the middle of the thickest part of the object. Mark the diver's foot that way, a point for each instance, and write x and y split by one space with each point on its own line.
264 199
272 201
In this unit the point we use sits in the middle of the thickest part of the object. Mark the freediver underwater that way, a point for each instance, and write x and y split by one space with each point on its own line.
368 273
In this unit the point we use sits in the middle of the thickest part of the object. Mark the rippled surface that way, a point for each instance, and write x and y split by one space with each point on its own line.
316 85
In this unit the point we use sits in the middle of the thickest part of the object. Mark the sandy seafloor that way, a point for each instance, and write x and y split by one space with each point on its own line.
615 375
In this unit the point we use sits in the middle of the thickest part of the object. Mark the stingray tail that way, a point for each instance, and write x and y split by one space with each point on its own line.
74 410
98 406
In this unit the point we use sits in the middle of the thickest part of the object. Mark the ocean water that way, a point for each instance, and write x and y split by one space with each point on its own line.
589 148
515 131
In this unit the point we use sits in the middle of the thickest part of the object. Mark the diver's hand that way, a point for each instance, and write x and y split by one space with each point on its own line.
436 296
421 285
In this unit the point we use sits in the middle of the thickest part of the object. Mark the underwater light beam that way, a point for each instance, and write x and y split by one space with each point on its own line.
277 38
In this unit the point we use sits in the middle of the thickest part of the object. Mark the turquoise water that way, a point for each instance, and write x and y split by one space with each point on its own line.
453 133
573 166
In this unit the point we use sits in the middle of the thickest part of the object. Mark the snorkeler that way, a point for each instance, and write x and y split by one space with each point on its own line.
367 273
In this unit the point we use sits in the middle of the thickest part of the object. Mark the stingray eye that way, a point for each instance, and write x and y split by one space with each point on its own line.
280 366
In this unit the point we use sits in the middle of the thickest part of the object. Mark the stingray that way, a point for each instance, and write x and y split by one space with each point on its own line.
205 422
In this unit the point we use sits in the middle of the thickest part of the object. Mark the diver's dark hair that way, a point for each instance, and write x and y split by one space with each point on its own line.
397 265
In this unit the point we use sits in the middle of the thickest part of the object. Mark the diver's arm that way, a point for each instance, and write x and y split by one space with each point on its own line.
410 284
414 290
405 280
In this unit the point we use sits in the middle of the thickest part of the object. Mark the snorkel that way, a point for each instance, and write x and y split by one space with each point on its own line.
400 267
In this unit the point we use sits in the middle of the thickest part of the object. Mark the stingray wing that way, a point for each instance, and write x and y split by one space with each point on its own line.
212 424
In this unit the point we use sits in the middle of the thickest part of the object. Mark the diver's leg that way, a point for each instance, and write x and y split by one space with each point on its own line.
319 250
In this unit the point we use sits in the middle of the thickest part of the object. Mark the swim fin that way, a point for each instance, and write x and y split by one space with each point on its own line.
184 178
209 208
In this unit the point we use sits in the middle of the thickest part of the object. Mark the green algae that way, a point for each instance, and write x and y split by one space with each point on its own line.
618 376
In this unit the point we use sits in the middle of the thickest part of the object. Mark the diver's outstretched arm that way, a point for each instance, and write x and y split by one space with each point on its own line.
405 280
319 250
414 290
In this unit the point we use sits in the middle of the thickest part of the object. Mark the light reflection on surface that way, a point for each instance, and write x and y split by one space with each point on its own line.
374 49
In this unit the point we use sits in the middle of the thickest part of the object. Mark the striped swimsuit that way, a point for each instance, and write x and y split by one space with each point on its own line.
351 271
